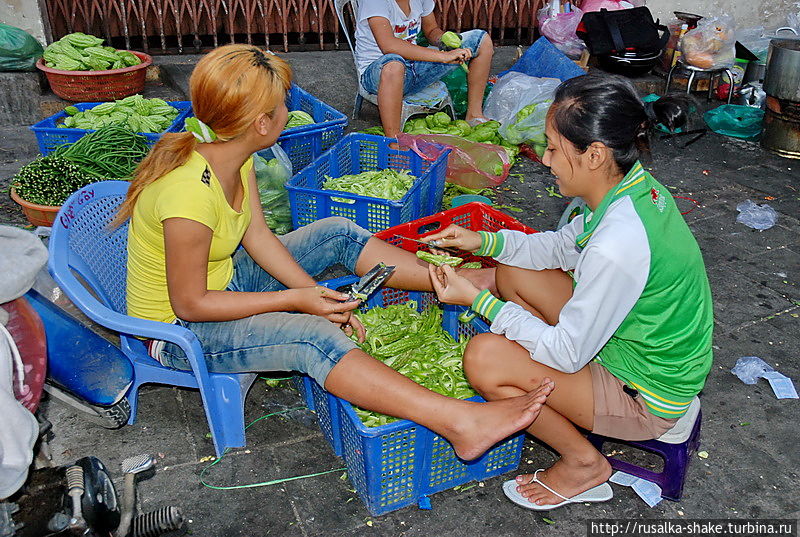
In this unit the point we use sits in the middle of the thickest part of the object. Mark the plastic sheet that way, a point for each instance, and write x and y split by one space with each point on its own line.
756 216
471 164
560 28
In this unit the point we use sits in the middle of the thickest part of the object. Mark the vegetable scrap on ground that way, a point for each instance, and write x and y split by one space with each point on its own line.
414 344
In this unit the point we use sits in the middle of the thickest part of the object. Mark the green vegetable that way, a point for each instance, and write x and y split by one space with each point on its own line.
298 118
80 52
451 40
415 345
135 112
49 180
387 184
377 130
472 265
441 119
111 152
439 259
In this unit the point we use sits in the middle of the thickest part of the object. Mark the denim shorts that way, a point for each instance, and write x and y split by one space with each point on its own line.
419 75
280 341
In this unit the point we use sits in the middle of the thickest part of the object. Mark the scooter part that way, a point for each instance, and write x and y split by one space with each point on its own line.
131 467
156 523
100 504
108 417
75 488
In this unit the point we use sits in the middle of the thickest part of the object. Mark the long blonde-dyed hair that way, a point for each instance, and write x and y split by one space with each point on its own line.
229 87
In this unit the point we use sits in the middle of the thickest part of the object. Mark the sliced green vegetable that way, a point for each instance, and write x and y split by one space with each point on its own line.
415 345
386 184
439 259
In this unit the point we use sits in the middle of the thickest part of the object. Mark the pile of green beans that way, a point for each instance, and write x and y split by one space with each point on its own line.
112 152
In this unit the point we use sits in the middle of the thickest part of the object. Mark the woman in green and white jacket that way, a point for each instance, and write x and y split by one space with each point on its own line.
615 307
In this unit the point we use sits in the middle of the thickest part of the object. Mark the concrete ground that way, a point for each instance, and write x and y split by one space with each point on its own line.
751 471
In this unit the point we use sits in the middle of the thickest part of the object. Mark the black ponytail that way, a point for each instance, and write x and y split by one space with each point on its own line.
607 109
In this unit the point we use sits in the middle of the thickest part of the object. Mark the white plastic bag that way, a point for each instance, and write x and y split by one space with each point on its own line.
712 45
510 95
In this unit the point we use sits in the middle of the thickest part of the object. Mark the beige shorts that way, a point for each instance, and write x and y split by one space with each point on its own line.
618 415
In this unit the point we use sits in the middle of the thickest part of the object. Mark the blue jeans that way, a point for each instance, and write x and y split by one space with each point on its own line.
419 75
280 341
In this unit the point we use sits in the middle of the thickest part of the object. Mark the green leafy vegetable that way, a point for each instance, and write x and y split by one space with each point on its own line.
298 118
386 184
135 112
415 345
439 259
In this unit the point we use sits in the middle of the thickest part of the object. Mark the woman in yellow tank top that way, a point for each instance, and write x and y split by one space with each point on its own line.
194 200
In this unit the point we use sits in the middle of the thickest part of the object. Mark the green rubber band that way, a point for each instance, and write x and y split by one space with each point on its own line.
264 483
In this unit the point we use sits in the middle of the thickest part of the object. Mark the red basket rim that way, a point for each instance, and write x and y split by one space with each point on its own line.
146 61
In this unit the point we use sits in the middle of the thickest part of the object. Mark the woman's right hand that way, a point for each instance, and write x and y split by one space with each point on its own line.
458 55
328 303
455 237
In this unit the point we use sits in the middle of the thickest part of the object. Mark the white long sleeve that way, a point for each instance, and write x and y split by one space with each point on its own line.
611 273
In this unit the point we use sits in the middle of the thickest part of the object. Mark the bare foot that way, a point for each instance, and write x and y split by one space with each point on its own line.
488 423
566 478
481 278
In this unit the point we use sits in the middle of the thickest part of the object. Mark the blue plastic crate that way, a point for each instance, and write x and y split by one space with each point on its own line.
357 153
303 385
49 136
305 143
395 465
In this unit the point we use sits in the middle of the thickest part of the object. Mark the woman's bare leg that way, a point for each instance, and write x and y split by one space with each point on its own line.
471 428
571 403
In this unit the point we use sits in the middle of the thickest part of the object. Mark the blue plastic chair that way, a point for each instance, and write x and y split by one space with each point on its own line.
83 246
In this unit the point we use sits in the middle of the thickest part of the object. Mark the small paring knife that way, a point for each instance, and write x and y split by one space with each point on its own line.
371 281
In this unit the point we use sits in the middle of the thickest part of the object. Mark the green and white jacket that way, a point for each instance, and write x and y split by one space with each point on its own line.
641 305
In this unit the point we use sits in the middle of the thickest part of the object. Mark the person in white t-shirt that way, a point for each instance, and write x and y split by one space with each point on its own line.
391 64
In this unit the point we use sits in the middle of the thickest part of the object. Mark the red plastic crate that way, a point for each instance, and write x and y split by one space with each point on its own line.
475 216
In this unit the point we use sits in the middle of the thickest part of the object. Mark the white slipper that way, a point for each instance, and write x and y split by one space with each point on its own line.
600 493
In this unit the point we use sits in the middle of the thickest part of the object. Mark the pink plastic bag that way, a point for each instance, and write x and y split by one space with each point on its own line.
471 164
611 5
559 29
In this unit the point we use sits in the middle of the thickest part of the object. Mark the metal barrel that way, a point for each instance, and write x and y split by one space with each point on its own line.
781 132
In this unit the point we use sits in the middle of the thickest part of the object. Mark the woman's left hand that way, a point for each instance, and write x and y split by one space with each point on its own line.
354 325
450 287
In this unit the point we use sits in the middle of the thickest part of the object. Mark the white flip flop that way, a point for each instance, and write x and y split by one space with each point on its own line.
600 493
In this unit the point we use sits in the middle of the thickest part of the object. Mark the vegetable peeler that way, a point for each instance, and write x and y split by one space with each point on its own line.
453 251
371 281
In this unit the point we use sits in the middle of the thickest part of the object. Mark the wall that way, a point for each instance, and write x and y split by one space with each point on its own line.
750 13
23 14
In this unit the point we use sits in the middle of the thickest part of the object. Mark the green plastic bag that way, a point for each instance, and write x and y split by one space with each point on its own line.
736 120
18 49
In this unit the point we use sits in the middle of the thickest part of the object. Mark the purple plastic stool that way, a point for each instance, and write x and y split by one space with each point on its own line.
676 457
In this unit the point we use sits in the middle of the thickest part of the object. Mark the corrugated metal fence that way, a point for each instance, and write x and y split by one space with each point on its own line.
189 26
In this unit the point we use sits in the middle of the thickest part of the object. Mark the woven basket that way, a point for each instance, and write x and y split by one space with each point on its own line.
38 215
97 86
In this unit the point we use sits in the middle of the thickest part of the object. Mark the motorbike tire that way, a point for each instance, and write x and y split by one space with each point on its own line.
108 417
